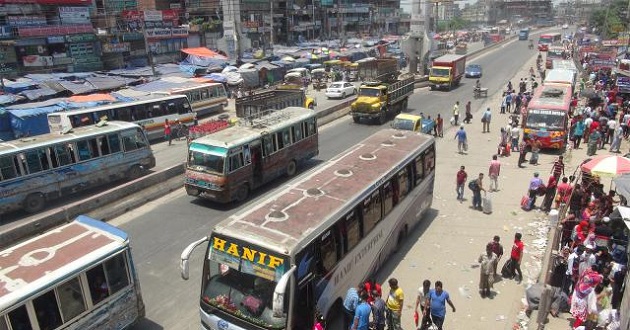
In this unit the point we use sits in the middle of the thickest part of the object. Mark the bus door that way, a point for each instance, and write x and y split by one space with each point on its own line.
255 151
305 300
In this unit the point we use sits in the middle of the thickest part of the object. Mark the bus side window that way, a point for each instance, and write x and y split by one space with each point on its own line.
129 141
286 137
62 154
236 161
419 169
297 133
71 299
327 252
18 318
54 163
36 161
98 284
205 94
116 273
278 144
371 212
124 114
156 111
429 160
7 168
388 197
83 149
72 152
267 145
114 143
403 183
171 109
351 232
3 323
141 139
47 311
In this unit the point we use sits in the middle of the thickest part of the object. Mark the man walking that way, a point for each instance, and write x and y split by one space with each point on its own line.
497 249
508 101
485 119
456 112
362 313
476 202
516 256
378 310
462 176
436 301
486 276
515 134
462 140
557 169
493 172
394 305
534 184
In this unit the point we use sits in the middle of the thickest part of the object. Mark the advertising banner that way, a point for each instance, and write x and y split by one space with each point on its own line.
624 84
74 15
152 15
158 33
37 60
26 20
120 47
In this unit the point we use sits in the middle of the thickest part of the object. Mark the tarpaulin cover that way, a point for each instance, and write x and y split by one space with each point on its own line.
92 98
203 52
15 88
34 94
103 83
8 99
202 56
28 122
218 77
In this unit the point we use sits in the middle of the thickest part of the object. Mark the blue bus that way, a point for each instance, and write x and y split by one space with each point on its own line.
34 170
523 34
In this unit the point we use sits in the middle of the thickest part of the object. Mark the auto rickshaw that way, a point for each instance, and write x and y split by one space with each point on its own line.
353 71
332 65
320 78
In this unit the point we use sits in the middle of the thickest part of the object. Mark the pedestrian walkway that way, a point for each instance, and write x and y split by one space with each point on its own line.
454 235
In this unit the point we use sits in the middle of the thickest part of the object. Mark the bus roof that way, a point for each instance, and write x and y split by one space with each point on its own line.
46 139
564 64
55 256
240 133
148 99
549 35
560 76
303 209
552 96
185 87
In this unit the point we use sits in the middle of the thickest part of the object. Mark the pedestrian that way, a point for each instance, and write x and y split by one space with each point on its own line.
462 140
486 271
460 181
516 256
550 193
469 116
361 319
593 141
508 101
436 301
503 104
167 131
535 143
378 310
578 132
476 201
394 305
522 149
485 119
563 192
440 125
616 140
517 103
515 134
535 184
493 173
423 294
456 112
435 126
350 304
497 249
557 169
369 286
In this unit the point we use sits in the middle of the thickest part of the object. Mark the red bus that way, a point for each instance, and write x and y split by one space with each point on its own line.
554 53
547 39
547 116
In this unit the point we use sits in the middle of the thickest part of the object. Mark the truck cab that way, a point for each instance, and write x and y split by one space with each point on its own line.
409 122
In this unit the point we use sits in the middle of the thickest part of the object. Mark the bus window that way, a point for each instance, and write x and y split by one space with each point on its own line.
3 324
403 183
98 284
297 133
204 94
36 161
327 252
236 161
8 170
124 114
278 142
419 169
116 273
268 145
371 212
18 318
71 299
171 108
47 311
286 137
62 154
429 160
155 111
114 143
388 197
352 231
83 148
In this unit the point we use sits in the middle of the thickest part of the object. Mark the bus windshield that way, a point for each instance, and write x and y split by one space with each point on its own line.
545 40
440 72
546 119
207 159
243 288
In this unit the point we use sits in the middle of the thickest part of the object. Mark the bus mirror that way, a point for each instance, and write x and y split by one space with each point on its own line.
186 255
278 293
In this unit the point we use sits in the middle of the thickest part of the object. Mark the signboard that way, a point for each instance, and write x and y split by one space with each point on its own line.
120 47
48 2
37 60
624 84
179 32
158 33
6 32
81 38
74 15
152 15
56 40
609 43
26 20
54 30
247 259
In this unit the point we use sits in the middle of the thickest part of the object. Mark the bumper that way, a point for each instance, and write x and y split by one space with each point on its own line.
439 85
333 94
219 196
365 114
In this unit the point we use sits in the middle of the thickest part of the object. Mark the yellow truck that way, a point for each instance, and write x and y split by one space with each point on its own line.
379 100
447 71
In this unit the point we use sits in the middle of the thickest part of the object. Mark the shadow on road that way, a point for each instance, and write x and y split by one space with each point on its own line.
146 324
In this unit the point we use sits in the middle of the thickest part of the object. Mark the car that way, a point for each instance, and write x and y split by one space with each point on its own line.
474 71
340 89
565 26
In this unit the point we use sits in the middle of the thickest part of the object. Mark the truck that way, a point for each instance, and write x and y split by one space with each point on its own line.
378 69
523 34
447 71
380 100
279 98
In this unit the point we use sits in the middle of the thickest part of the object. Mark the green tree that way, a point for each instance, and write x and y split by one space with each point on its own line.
610 20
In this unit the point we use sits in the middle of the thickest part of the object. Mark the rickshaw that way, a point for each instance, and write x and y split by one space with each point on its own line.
353 72
320 78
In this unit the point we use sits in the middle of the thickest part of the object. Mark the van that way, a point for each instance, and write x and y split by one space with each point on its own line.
303 72
408 122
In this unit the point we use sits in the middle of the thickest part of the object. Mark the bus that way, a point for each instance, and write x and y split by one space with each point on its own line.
205 99
149 113
296 253
523 34
226 165
547 116
34 170
553 53
547 39
76 276
561 76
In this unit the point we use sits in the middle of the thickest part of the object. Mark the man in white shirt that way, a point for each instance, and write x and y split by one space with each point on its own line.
612 124
515 134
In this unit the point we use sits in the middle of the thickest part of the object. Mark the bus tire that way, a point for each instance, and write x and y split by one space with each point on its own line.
191 191
134 172
242 193
34 203
291 168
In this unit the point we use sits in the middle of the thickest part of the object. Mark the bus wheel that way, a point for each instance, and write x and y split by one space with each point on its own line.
242 193
291 168
134 172
192 191
34 202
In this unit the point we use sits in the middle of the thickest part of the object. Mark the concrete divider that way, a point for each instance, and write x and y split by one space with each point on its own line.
123 198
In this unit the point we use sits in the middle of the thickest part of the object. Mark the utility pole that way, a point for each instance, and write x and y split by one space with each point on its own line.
271 27
148 49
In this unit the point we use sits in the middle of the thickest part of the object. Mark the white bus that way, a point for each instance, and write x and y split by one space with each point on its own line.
298 251
77 276
34 170
205 99
149 113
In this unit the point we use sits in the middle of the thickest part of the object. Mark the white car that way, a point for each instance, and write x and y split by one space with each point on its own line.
340 89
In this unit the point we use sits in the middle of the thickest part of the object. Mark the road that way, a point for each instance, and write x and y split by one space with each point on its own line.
161 229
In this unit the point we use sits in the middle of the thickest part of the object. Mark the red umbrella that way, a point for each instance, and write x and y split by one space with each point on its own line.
607 165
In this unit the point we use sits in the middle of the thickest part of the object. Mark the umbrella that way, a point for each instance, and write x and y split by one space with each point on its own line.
607 165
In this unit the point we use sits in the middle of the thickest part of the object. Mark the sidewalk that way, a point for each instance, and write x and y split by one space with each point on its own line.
447 245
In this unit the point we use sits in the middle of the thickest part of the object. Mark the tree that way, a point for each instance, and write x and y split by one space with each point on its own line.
610 20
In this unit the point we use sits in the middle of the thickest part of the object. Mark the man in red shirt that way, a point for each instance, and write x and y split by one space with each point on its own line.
517 256
461 181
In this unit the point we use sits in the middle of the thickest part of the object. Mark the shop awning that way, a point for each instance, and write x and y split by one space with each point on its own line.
98 97
203 52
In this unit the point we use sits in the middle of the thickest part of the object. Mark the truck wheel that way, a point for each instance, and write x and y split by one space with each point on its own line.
356 119
431 88
192 191
382 118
